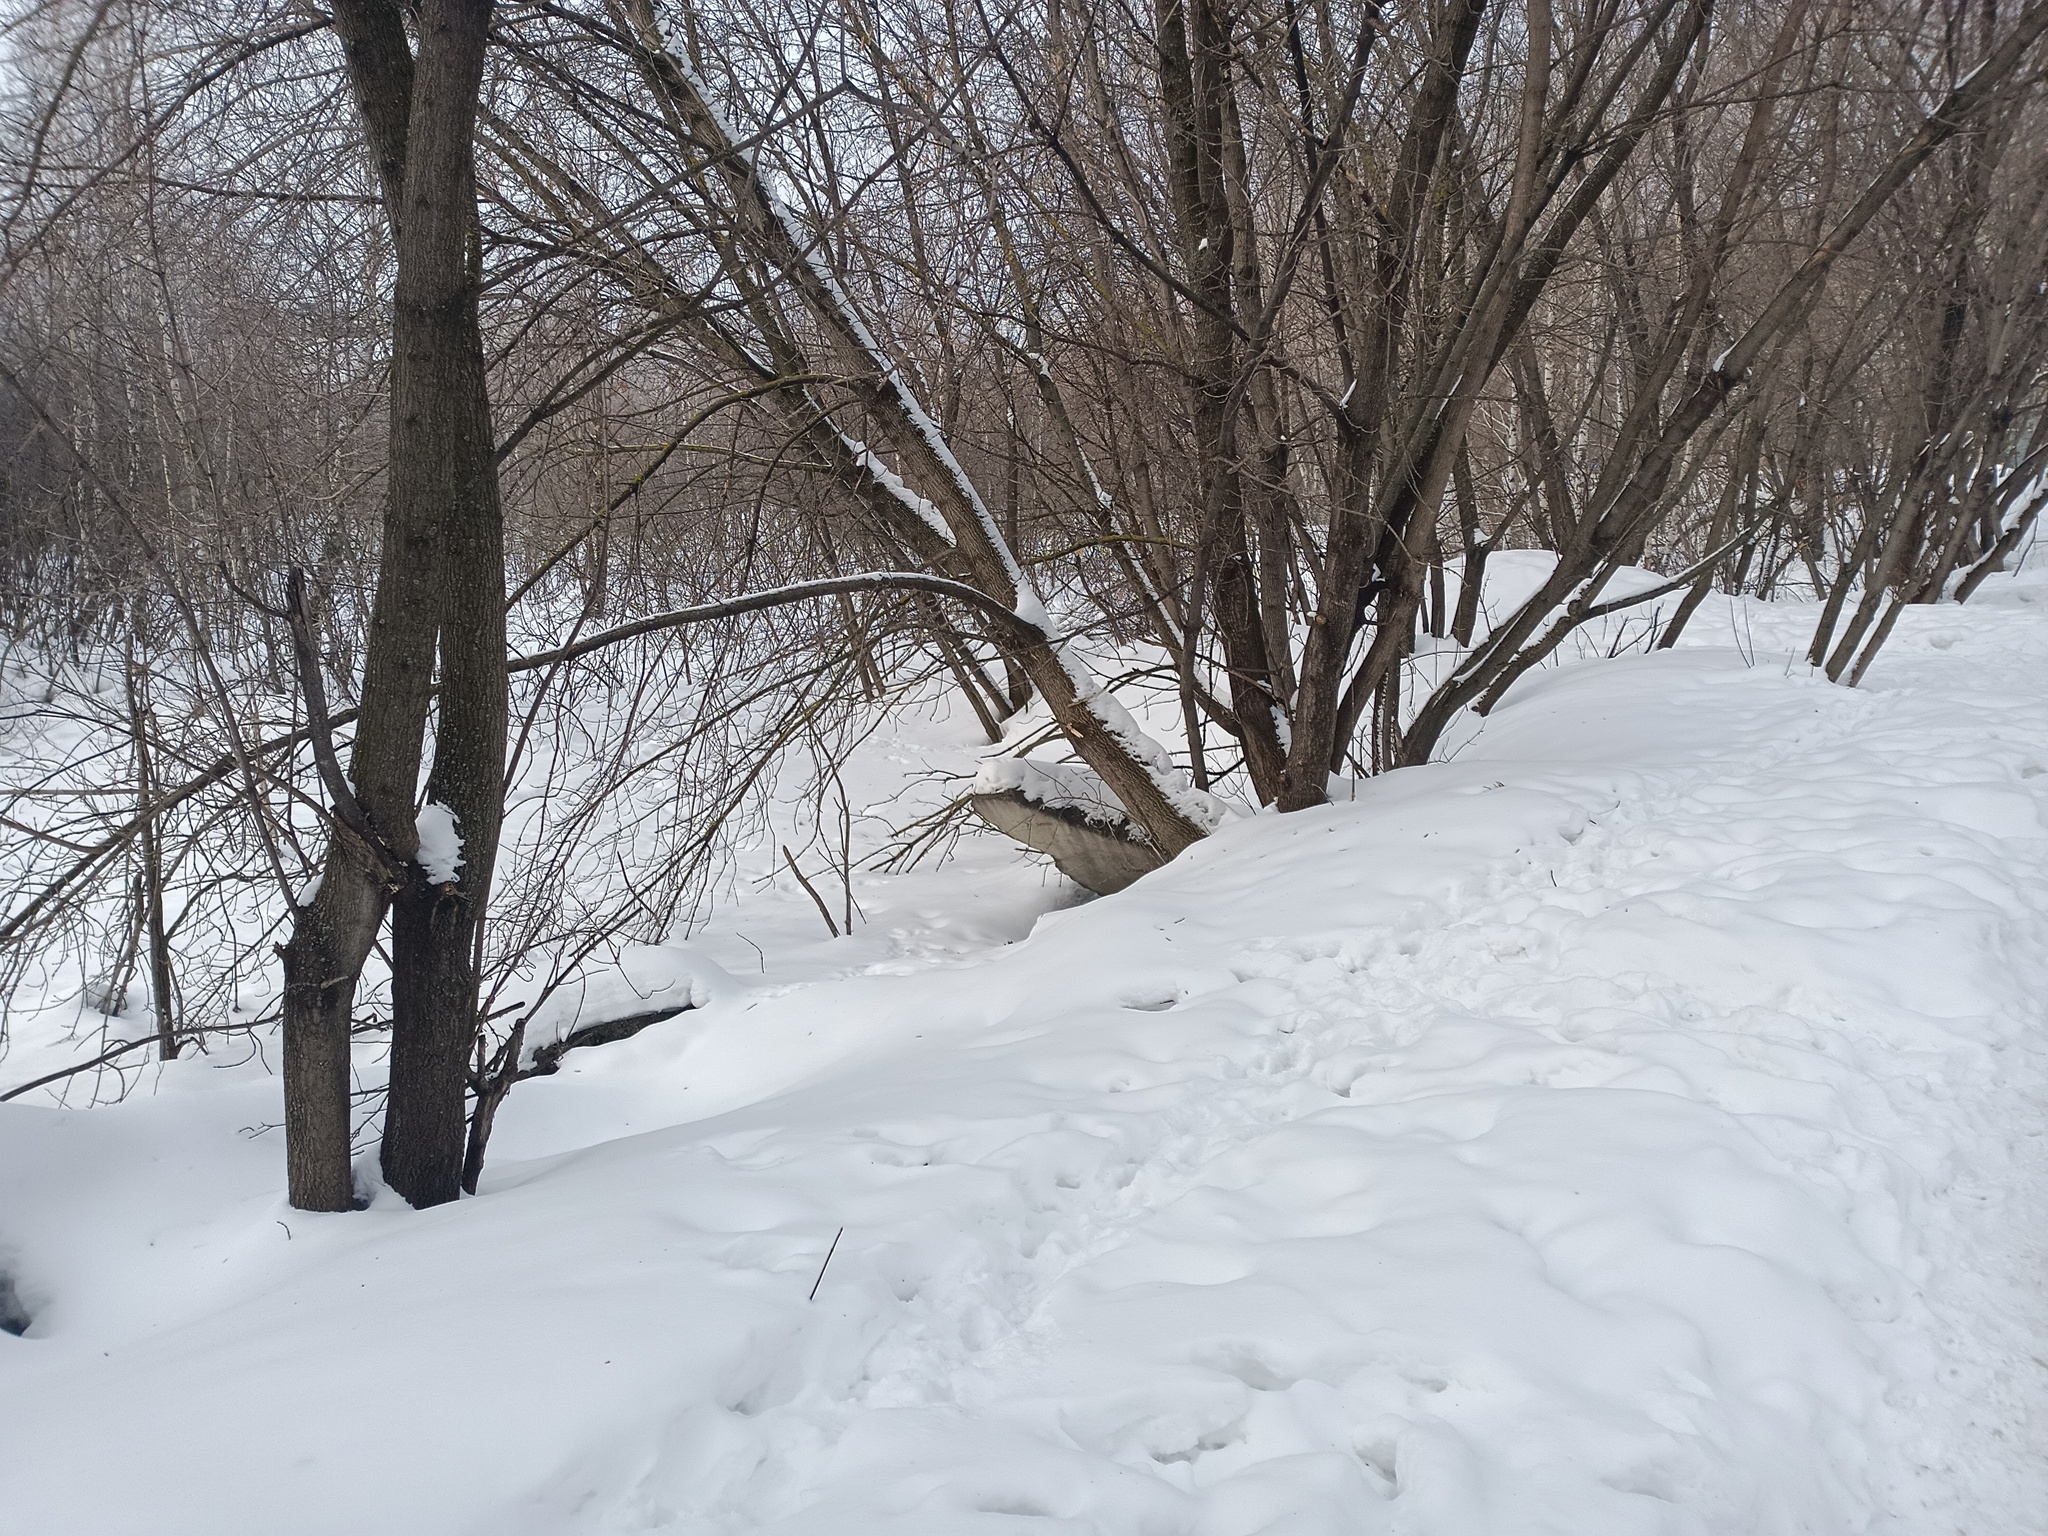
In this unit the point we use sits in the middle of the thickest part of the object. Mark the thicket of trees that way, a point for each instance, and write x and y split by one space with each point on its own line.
593 405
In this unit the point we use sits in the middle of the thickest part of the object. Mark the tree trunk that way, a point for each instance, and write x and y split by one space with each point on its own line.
443 458
331 936
441 568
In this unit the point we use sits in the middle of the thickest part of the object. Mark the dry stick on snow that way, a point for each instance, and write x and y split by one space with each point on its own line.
161 979
120 1048
823 1267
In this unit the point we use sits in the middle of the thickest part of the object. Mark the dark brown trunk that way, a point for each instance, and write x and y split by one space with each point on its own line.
443 457
441 568
1356 520
331 937
433 1014
332 933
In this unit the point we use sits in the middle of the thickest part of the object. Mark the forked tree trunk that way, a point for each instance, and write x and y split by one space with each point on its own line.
442 455
441 571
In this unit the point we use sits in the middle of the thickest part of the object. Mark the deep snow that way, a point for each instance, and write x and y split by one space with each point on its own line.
1632 1125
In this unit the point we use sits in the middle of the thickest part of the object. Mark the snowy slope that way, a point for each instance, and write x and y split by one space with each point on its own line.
1632 1125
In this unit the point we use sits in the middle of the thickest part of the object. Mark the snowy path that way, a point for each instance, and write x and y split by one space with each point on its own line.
1632 1126
1574 1189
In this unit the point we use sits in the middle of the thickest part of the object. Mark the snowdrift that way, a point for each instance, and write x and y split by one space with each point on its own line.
1633 1125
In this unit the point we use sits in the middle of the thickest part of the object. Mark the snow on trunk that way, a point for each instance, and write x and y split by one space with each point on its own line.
440 843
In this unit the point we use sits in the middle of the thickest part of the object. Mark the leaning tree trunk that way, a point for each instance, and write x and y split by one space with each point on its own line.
1103 735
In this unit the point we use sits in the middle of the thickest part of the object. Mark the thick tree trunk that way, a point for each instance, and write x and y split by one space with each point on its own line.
441 569
443 458
331 936
433 1012
333 931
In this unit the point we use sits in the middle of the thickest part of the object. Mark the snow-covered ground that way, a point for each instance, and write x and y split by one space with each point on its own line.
1632 1125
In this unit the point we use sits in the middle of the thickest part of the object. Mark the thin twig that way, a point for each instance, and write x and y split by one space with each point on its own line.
822 1267
812 890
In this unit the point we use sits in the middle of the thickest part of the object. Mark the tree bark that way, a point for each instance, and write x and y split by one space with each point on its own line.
441 568
443 461
332 932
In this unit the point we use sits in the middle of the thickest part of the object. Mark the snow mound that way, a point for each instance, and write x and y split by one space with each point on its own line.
1631 1126
646 979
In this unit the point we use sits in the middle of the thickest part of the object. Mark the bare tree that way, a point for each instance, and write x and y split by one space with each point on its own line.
628 399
